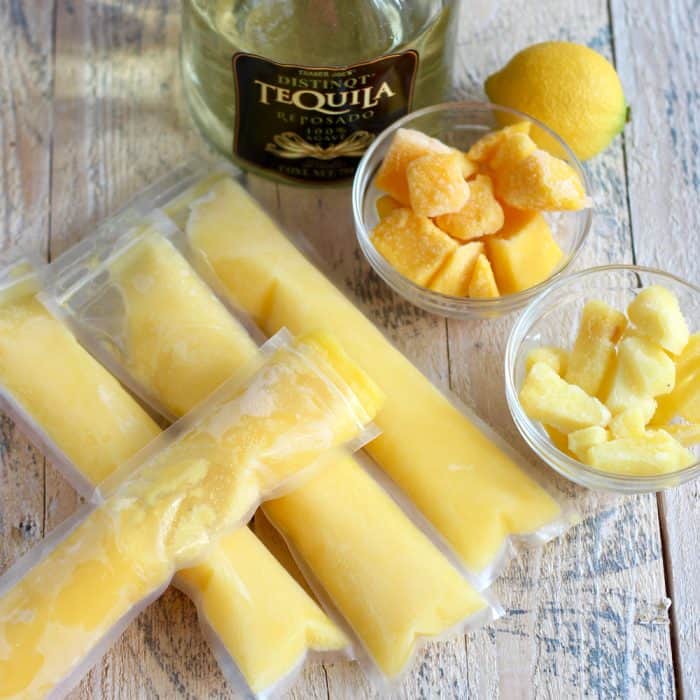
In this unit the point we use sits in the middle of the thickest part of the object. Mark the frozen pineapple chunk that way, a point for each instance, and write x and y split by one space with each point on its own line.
542 182
406 146
657 314
547 398
632 422
385 205
687 434
684 400
412 244
524 252
483 284
556 358
436 185
454 276
593 354
480 216
580 441
643 370
656 452
485 148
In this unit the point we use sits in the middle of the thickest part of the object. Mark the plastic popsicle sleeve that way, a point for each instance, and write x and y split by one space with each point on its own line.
199 480
460 475
438 600
272 618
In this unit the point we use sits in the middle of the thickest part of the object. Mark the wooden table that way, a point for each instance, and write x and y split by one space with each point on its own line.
92 111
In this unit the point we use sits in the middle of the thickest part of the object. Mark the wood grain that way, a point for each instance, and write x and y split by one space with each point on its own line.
657 50
26 74
92 111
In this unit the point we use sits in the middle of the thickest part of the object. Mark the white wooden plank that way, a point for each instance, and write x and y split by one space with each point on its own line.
26 38
657 54
574 609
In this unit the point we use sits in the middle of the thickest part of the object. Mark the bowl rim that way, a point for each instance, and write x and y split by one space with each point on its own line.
544 447
446 303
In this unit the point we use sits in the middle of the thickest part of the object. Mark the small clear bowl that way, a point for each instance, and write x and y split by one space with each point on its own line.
458 124
552 319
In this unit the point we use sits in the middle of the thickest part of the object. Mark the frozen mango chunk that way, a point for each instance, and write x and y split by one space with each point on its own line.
413 244
480 216
547 398
514 148
405 147
454 276
483 284
657 315
593 354
523 253
436 185
633 420
485 148
469 167
580 441
643 370
542 182
656 452
556 358
687 434
385 205
684 400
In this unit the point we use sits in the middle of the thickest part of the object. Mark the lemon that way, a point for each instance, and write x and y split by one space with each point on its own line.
572 89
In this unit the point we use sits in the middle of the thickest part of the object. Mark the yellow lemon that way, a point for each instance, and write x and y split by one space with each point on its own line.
572 89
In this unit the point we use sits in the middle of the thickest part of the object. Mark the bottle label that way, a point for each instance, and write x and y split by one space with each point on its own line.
313 124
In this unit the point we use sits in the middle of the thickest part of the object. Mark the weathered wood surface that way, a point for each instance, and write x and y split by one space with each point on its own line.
91 111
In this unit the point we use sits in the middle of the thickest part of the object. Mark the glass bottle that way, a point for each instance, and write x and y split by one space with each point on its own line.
297 89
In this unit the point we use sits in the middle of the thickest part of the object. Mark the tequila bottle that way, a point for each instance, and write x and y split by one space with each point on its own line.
296 90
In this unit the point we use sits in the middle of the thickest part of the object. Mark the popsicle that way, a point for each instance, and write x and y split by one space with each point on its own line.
41 364
386 613
254 607
472 492
181 356
203 482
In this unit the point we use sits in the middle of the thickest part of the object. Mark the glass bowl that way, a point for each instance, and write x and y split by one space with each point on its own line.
459 124
552 319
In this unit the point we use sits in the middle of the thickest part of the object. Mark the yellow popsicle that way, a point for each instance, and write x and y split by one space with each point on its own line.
184 354
272 621
165 514
82 407
474 493
358 559
419 593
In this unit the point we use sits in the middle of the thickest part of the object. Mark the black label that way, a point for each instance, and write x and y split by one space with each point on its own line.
313 124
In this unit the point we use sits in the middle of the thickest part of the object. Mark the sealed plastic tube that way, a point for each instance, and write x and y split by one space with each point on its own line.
248 603
458 473
201 479
41 364
383 577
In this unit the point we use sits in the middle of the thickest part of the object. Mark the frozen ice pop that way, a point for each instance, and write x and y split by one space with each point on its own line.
471 491
243 443
254 608
41 364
